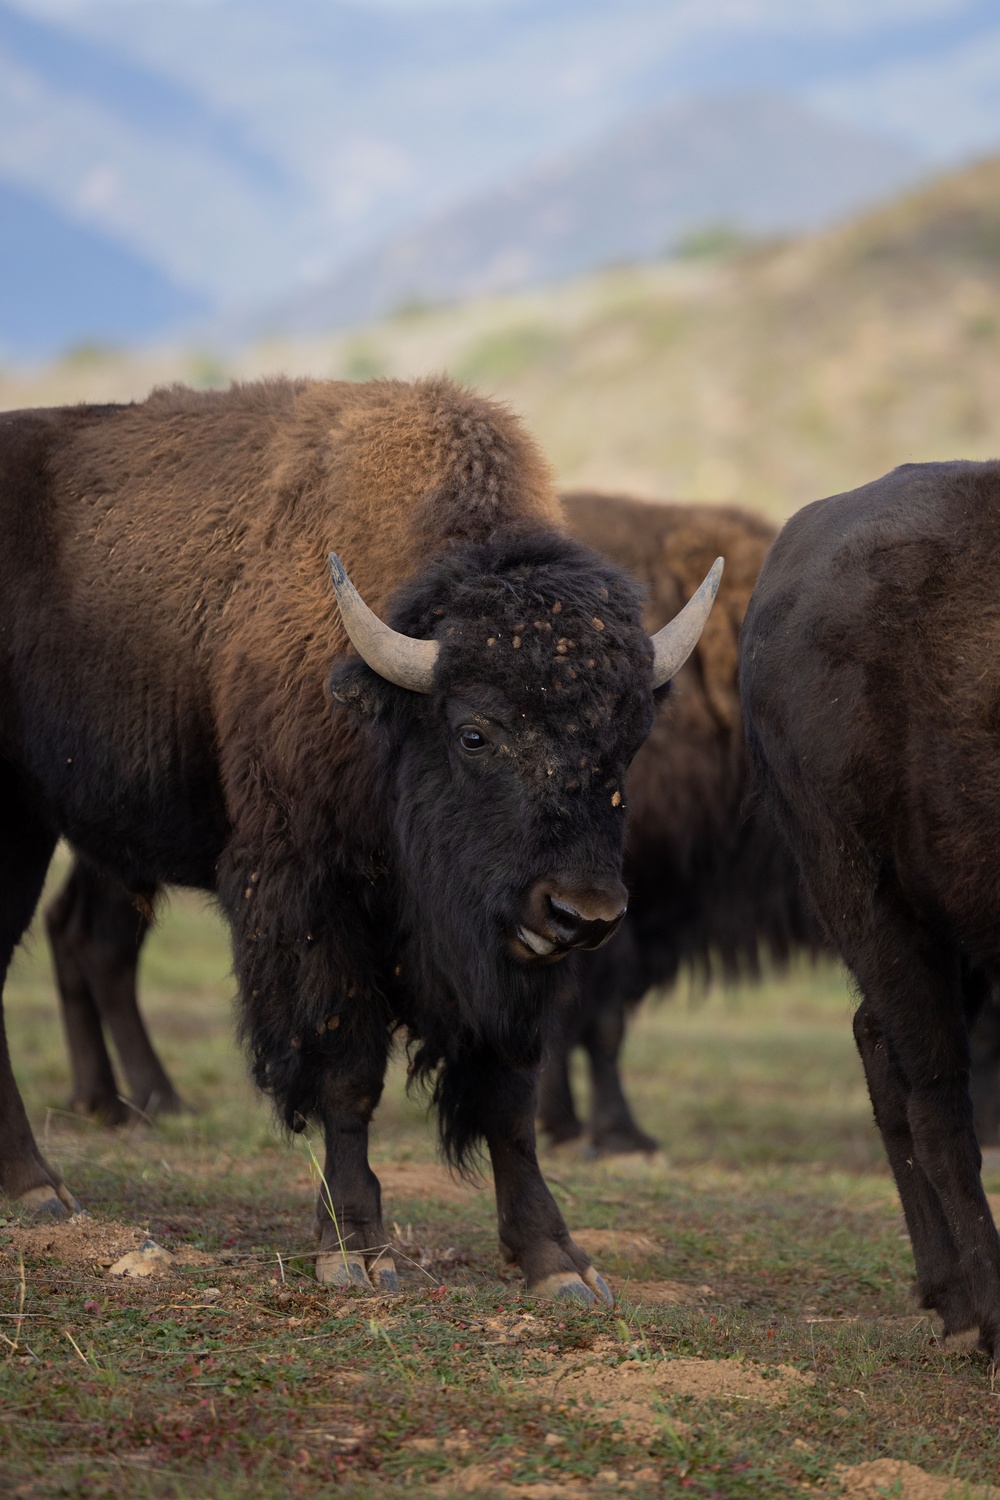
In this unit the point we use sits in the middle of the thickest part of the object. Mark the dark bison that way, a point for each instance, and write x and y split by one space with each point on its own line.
409 834
870 682
710 886
707 885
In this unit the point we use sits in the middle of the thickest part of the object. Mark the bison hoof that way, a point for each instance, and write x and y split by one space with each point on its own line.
347 1268
589 1288
50 1202
624 1142
382 1274
342 1268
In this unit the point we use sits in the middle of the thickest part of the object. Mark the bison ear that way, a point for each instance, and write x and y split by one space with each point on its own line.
355 687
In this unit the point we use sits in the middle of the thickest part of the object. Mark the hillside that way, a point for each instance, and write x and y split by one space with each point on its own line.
770 376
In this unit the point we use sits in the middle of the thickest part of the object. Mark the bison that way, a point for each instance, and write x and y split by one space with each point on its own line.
871 694
410 833
707 886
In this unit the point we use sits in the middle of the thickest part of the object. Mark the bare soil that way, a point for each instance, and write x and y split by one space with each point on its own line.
633 1393
411 1179
617 1242
890 1477
85 1242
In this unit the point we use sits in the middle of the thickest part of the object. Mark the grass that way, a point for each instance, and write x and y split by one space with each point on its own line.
770 1215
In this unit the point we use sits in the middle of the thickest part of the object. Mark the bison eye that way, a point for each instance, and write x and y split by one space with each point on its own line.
472 741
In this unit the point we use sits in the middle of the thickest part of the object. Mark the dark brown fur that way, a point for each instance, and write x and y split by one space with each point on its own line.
870 681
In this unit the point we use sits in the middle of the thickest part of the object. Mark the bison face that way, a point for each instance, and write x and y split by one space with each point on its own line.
536 816
505 774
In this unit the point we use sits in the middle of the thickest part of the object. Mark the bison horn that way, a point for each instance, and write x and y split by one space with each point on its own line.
401 659
674 643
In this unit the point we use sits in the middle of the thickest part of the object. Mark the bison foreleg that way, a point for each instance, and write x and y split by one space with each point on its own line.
353 1249
533 1232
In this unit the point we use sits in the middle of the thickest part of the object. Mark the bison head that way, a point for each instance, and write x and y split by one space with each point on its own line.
509 694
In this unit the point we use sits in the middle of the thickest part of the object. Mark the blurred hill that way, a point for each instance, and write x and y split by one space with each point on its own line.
771 374
753 165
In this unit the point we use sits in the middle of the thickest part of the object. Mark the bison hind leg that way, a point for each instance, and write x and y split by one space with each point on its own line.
25 850
912 1032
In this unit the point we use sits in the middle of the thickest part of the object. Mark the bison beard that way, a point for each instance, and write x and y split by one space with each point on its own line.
168 634
870 686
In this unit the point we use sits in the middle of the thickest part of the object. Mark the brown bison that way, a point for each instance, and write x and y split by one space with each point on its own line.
708 886
870 685
408 833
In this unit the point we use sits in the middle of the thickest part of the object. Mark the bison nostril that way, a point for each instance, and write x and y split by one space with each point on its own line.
566 920
573 926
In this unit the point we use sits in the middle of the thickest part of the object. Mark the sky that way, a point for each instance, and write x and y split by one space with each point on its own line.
239 148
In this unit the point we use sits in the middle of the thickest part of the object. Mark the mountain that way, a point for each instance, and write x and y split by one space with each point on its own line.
759 166
63 284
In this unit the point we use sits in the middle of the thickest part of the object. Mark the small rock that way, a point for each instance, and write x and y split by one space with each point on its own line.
149 1260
